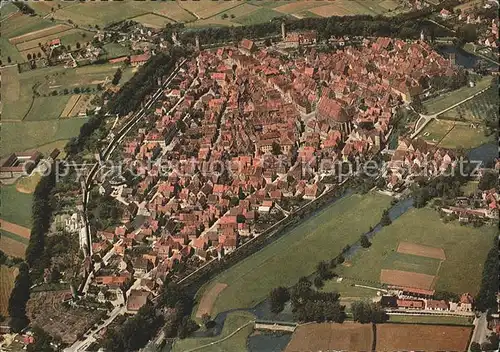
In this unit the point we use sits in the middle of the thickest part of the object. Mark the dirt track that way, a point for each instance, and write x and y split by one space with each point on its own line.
208 299
420 250
15 229
406 279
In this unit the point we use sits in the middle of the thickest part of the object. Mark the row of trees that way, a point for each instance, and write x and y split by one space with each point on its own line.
18 298
486 298
132 94
406 25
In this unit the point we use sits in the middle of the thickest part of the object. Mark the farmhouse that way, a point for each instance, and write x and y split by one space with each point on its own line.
432 304
410 304
139 60
19 164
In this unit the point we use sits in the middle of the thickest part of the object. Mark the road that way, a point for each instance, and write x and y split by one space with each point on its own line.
481 330
428 118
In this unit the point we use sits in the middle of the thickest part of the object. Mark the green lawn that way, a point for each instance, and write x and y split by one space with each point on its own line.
429 319
463 136
47 108
15 206
435 131
235 343
460 272
115 50
470 187
408 262
8 50
443 101
479 108
297 253
31 134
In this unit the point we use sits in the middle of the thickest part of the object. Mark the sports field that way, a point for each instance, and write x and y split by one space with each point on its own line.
228 341
321 237
454 134
457 273
331 337
7 278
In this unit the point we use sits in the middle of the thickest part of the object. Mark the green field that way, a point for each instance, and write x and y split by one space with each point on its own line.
463 136
234 343
429 319
297 253
15 206
115 50
458 273
8 50
446 100
19 25
31 134
448 134
14 237
47 108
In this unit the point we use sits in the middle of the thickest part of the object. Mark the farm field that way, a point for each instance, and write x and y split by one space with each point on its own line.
31 134
12 245
457 273
8 50
331 337
259 16
410 337
152 20
322 237
429 319
12 202
7 278
20 24
446 100
236 342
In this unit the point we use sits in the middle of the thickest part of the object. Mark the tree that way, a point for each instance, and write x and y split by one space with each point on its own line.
28 56
186 327
277 298
323 270
42 341
365 243
224 16
9 60
267 42
367 312
385 220
340 259
76 90
276 149
18 299
318 282
475 347
488 180
117 77
68 47
467 33
78 45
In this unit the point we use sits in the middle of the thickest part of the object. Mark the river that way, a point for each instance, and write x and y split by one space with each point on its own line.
272 342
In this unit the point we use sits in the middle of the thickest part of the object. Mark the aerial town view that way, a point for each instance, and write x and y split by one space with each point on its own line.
249 175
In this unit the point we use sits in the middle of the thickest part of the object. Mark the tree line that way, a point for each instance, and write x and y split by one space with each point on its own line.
406 26
486 298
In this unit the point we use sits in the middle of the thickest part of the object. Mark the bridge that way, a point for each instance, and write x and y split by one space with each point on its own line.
275 325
